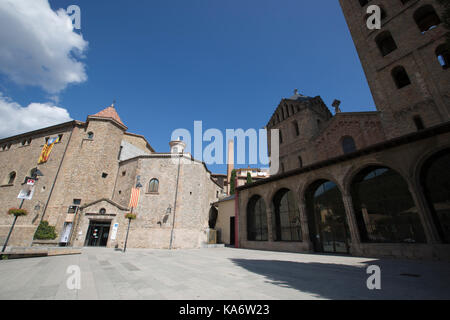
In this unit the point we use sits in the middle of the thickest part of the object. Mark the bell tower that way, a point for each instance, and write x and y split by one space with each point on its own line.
406 62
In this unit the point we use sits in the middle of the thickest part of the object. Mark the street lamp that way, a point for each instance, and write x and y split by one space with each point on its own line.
130 216
35 173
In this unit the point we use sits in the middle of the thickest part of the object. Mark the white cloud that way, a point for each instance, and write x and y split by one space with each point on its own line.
16 119
39 46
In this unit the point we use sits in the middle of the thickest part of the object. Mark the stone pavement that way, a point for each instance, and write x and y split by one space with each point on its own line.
219 274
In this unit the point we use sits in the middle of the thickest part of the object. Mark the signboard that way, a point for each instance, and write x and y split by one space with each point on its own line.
26 193
114 231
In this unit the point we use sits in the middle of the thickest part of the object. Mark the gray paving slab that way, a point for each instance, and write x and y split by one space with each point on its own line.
219 274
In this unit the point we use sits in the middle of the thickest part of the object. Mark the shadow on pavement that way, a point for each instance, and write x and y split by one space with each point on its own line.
338 281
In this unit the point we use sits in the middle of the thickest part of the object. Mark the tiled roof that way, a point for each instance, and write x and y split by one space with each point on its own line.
109 112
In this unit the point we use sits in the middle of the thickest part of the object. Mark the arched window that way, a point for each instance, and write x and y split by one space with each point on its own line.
257 220
348 145
326 217
443 55
384 208
286 217
426 18
385 43
11 178
90 135
400 77
435 179
153 186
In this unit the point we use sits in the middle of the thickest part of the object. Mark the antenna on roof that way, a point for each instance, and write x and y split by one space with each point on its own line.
114 103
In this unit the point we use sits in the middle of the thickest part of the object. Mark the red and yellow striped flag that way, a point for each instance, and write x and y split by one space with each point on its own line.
135 192
45 153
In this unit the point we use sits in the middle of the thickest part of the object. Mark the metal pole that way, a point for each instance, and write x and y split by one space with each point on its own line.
128 230
175 203
12 227
126 240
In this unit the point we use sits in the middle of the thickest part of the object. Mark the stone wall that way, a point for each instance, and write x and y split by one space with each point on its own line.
427 95
406 159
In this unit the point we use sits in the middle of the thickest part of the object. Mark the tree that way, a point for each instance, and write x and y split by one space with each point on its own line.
233 182
249 178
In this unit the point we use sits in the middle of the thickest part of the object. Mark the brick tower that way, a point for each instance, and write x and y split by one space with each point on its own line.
406 61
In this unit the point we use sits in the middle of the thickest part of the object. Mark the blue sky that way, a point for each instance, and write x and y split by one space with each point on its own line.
227 63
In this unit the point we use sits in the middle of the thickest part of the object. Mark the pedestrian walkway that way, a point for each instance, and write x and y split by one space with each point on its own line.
218 273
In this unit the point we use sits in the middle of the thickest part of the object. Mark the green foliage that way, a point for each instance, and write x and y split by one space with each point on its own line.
45 232
249 178
17 212
130 216
233 182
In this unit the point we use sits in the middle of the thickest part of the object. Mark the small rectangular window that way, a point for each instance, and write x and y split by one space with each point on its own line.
419 123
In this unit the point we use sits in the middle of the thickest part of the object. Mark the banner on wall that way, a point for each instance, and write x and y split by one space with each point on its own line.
114 231
134 199
47 149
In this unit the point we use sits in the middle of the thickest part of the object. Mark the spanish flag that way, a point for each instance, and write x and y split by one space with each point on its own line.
45 153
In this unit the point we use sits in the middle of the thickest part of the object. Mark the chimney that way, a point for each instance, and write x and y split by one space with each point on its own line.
230 159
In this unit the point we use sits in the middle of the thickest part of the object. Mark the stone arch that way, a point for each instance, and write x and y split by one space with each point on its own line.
384 206
286 222
422 159
436 195
256 219
270 195
327 217
354 170
312 178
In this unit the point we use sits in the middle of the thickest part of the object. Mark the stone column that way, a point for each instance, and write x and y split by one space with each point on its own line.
304 222
431 233
351 222
269 223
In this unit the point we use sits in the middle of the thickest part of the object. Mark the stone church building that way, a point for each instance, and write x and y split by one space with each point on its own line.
365 183
86 188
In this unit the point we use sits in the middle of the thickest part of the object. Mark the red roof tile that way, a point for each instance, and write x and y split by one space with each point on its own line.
109 112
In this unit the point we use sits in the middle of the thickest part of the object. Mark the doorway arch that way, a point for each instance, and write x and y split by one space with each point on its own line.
384 207
286 217
435 181
327 222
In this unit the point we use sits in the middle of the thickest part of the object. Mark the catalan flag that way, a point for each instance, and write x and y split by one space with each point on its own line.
45 153
135 192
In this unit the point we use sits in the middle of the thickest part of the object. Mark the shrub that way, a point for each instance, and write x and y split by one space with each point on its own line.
17 212
45 232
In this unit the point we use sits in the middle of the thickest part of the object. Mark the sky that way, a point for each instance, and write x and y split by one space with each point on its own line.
168 63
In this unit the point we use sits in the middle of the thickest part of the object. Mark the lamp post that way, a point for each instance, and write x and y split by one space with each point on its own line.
34 175
130 216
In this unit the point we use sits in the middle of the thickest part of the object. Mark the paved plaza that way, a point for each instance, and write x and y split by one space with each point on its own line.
219 274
